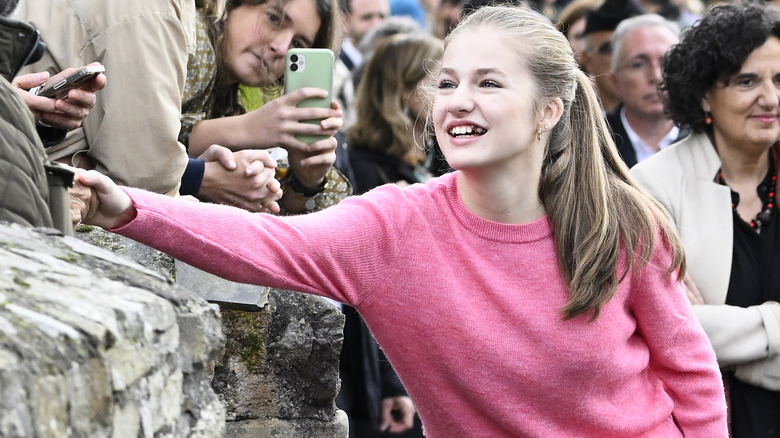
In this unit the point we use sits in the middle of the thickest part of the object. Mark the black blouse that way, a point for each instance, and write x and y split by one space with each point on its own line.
755 279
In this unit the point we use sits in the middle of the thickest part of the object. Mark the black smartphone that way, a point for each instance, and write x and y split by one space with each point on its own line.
60 89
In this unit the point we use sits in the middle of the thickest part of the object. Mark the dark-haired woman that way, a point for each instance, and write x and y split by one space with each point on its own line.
719 185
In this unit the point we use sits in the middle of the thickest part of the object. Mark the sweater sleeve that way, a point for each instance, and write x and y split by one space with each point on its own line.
680 353
340 252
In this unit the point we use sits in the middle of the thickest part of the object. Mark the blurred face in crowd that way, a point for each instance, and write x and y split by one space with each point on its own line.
577 38
638 70
597 60
745 110
365 15
447 16
259 36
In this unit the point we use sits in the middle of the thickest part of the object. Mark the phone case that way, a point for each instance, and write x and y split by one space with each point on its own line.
61 88
310 68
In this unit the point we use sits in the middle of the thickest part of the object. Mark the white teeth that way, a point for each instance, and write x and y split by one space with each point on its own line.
466 130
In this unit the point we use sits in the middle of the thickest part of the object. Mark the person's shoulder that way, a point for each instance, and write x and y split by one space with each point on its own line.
666 169
665 160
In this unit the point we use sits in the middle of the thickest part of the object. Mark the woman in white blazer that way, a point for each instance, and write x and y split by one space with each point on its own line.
723 81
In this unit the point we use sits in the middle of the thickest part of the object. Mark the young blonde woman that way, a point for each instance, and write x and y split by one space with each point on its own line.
532 292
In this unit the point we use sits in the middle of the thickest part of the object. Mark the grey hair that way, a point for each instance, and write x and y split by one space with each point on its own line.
7 7
633 23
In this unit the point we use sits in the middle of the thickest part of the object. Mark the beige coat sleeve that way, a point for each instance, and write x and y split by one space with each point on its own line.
681 178
131 133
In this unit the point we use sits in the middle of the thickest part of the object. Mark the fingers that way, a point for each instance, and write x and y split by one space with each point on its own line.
256 159
93 179
258 192
31 80
332 124
80 204
67 113
106 205
304 93
220 154
397 414
96 84
310 149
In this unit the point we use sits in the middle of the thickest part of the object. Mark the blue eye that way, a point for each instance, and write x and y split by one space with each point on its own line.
490 84
446 84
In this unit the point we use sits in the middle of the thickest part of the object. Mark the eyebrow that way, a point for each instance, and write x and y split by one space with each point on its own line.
740 76
479 72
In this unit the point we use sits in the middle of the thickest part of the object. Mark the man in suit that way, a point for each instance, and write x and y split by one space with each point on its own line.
600 26
639 125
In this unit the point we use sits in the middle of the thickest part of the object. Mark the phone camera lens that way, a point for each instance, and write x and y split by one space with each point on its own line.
294 67
294 58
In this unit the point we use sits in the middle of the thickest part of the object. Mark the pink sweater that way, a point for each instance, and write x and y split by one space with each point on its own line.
468 311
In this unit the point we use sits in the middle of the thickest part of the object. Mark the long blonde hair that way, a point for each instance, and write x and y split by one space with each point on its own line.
397 66
595 207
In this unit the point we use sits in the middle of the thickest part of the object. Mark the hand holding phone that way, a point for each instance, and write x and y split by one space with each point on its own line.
305 67
65 112
59 89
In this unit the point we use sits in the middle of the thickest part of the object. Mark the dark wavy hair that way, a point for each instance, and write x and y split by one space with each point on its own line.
711 51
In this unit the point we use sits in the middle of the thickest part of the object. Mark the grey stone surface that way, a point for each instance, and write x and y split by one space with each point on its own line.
278 373
93 344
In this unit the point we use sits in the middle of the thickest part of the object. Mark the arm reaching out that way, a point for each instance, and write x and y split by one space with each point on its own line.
106 205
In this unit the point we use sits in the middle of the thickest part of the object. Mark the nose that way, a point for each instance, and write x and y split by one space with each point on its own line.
770 94
281 42
376 20
460 100
656 72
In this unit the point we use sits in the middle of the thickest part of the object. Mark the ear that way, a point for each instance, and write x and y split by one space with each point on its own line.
552 112
705 103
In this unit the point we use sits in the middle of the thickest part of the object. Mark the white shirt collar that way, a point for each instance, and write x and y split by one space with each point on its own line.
640 147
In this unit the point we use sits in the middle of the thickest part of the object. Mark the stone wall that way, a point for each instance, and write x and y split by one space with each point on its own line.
93 344
103 337
278 373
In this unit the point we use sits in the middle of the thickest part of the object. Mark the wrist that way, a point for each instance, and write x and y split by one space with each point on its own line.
305 189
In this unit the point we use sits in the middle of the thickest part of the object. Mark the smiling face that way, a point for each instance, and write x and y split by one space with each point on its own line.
638 71
745 111
483 109
259 36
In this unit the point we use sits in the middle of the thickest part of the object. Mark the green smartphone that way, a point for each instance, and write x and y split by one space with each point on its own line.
310 68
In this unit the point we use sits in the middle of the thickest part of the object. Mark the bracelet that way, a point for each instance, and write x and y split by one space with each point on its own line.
305 191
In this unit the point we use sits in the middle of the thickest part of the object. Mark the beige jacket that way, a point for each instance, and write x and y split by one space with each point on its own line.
131 134
681 178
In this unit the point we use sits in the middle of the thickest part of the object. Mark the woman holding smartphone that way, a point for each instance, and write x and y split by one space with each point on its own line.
246 45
